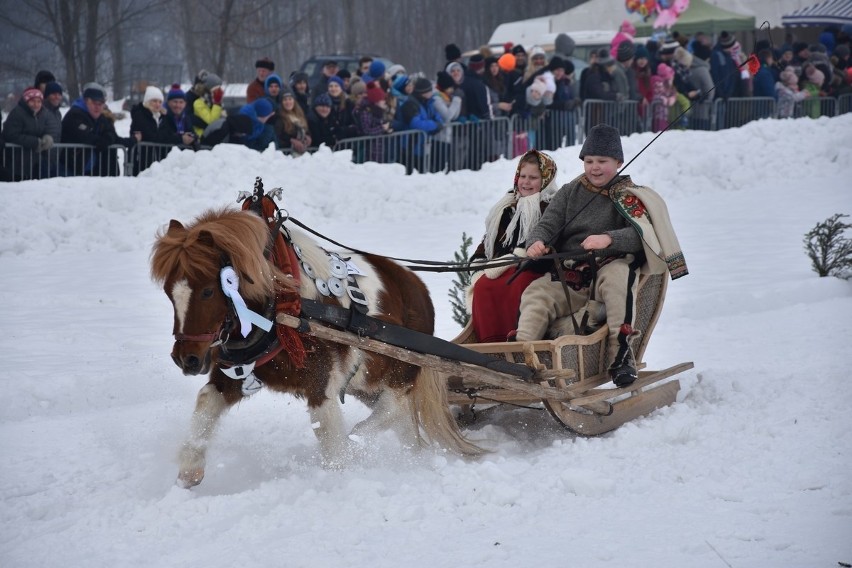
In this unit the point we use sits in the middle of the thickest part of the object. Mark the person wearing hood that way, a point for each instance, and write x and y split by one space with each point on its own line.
626 226
272 90
206 101
700 87
260 112
301 91
86 122
145 120
492 300
418 113
25 127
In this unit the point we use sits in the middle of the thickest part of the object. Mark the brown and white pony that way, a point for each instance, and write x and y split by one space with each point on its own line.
187 260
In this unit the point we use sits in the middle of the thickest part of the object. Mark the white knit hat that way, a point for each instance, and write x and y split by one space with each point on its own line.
152 93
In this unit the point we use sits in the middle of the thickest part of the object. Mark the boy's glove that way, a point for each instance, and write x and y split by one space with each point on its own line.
217 94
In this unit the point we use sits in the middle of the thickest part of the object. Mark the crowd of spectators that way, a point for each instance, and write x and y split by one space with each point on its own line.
663 79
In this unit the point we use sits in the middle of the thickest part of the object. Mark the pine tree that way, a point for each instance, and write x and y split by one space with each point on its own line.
830 252
461 282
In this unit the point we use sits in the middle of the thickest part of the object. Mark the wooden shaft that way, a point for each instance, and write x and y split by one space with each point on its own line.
435 362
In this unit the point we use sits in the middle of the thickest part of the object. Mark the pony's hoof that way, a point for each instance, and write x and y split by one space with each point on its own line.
189 478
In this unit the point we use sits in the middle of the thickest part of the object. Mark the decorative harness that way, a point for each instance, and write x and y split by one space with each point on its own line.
263 339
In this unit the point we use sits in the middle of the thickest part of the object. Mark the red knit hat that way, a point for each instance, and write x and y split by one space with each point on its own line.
375 93
32 93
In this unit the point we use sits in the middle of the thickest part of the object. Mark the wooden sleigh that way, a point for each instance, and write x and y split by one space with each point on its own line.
569 371
578 366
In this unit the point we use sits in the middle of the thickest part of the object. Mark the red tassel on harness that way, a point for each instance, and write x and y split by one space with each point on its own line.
287 299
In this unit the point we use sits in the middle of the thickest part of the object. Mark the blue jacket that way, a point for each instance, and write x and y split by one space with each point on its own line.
726 75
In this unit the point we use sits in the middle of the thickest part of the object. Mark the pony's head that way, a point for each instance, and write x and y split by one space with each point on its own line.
187 261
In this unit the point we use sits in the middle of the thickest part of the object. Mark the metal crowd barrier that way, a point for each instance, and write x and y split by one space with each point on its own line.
735 112
700 116
408 148
553 129
622 115
64 160
143 154
815 107
471 144
844 104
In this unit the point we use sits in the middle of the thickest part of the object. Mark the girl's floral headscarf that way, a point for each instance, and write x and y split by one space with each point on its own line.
546 166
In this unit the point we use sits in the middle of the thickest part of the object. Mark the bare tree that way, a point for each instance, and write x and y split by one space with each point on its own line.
78 29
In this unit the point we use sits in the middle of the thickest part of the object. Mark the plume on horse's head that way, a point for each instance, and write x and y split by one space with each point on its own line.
198 251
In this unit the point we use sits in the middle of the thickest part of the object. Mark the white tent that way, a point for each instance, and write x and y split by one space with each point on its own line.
830 12
607 15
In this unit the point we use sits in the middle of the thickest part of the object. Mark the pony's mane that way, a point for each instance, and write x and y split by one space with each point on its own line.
196 251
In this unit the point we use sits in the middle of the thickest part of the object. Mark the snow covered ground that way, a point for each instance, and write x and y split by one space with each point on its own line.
750 468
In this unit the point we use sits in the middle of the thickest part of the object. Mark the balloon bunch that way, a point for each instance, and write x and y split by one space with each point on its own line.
664 12
645 8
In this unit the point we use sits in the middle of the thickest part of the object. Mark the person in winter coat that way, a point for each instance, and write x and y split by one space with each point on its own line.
418 113
291 125
87 123
665 97
598 83
492 301
272 90
301 91
370 121
26 127
176 126
787 93
700 90
52 114
812 84
53 126
724 69
643 73
626 32
599 211
233 129
448 106
257 88
206 97
323 124
260 112
145 120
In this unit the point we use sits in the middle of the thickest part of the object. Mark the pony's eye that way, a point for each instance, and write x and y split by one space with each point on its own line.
207 293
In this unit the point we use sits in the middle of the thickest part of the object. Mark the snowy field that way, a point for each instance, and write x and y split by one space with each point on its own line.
750 468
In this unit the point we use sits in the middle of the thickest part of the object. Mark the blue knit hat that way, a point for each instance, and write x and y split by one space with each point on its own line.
175 93
400 83
262 107
338 80
52 87
377 69
322 100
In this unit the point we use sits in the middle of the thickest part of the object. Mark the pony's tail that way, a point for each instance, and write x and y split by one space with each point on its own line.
431 412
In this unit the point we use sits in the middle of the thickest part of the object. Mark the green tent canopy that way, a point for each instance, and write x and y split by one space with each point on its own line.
702 17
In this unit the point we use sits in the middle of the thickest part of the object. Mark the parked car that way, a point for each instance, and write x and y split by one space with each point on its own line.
313 66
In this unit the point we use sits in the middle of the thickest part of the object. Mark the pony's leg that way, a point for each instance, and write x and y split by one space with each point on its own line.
209 408
391 411
327 422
